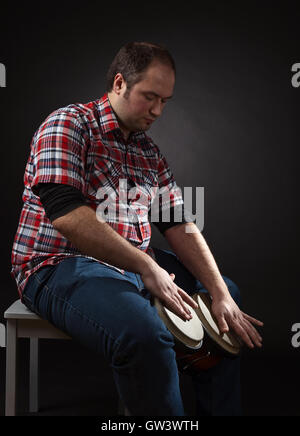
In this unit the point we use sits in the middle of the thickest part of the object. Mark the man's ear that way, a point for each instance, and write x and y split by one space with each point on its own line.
119 83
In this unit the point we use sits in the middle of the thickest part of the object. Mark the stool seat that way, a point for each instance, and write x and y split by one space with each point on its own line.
20 311
30 325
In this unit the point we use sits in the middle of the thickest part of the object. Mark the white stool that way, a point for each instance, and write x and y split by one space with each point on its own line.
22 323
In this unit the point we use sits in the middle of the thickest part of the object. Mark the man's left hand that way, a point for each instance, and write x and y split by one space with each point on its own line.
229 316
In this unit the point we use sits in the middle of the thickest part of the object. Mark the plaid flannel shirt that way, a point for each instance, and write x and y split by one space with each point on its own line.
82 145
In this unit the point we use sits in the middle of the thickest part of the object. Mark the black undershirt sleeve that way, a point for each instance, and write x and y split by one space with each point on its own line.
176 211
58 199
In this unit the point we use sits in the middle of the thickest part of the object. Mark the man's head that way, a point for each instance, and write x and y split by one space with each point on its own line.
140 80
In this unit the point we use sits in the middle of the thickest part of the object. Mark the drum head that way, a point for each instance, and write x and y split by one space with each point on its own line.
189 332
227 341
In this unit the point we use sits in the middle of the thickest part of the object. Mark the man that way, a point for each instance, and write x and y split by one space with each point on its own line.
94 275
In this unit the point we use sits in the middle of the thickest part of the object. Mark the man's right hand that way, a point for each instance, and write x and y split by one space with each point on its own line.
161 285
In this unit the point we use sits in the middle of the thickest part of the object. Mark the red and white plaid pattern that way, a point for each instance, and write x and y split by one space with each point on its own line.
82 145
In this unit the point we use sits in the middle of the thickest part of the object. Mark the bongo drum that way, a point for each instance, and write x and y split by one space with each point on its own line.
198 343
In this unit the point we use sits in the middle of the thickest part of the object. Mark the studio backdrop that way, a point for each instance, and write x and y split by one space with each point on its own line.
232 129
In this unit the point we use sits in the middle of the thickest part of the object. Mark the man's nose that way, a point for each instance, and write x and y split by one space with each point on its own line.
157 109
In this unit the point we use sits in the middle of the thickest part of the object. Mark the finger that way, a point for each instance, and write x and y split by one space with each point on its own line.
177 309
189 300
252 328
240 329
248 333
253 333
242 333
222 324
180 292
173 303
245 330
184 307
253 320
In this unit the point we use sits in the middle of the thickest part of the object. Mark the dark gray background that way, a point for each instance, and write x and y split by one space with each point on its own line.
232 128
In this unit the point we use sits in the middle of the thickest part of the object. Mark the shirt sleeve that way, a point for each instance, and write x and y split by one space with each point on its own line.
58 148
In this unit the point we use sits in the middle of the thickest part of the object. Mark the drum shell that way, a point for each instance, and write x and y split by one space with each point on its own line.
191 361
215 349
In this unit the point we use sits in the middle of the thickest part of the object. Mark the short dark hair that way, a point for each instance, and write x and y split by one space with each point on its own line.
133 59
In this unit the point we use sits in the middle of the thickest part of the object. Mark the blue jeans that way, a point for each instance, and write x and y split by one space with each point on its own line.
112 314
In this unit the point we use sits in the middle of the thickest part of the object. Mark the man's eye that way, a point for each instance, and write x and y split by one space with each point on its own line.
149 98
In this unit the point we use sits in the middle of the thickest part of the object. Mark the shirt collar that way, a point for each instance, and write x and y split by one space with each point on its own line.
109 122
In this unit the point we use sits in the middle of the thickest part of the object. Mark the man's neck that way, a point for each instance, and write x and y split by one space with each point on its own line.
125 131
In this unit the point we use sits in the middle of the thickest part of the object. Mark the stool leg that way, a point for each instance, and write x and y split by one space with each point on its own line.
11 367
34 375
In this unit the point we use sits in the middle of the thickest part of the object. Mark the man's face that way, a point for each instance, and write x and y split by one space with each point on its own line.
146 100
